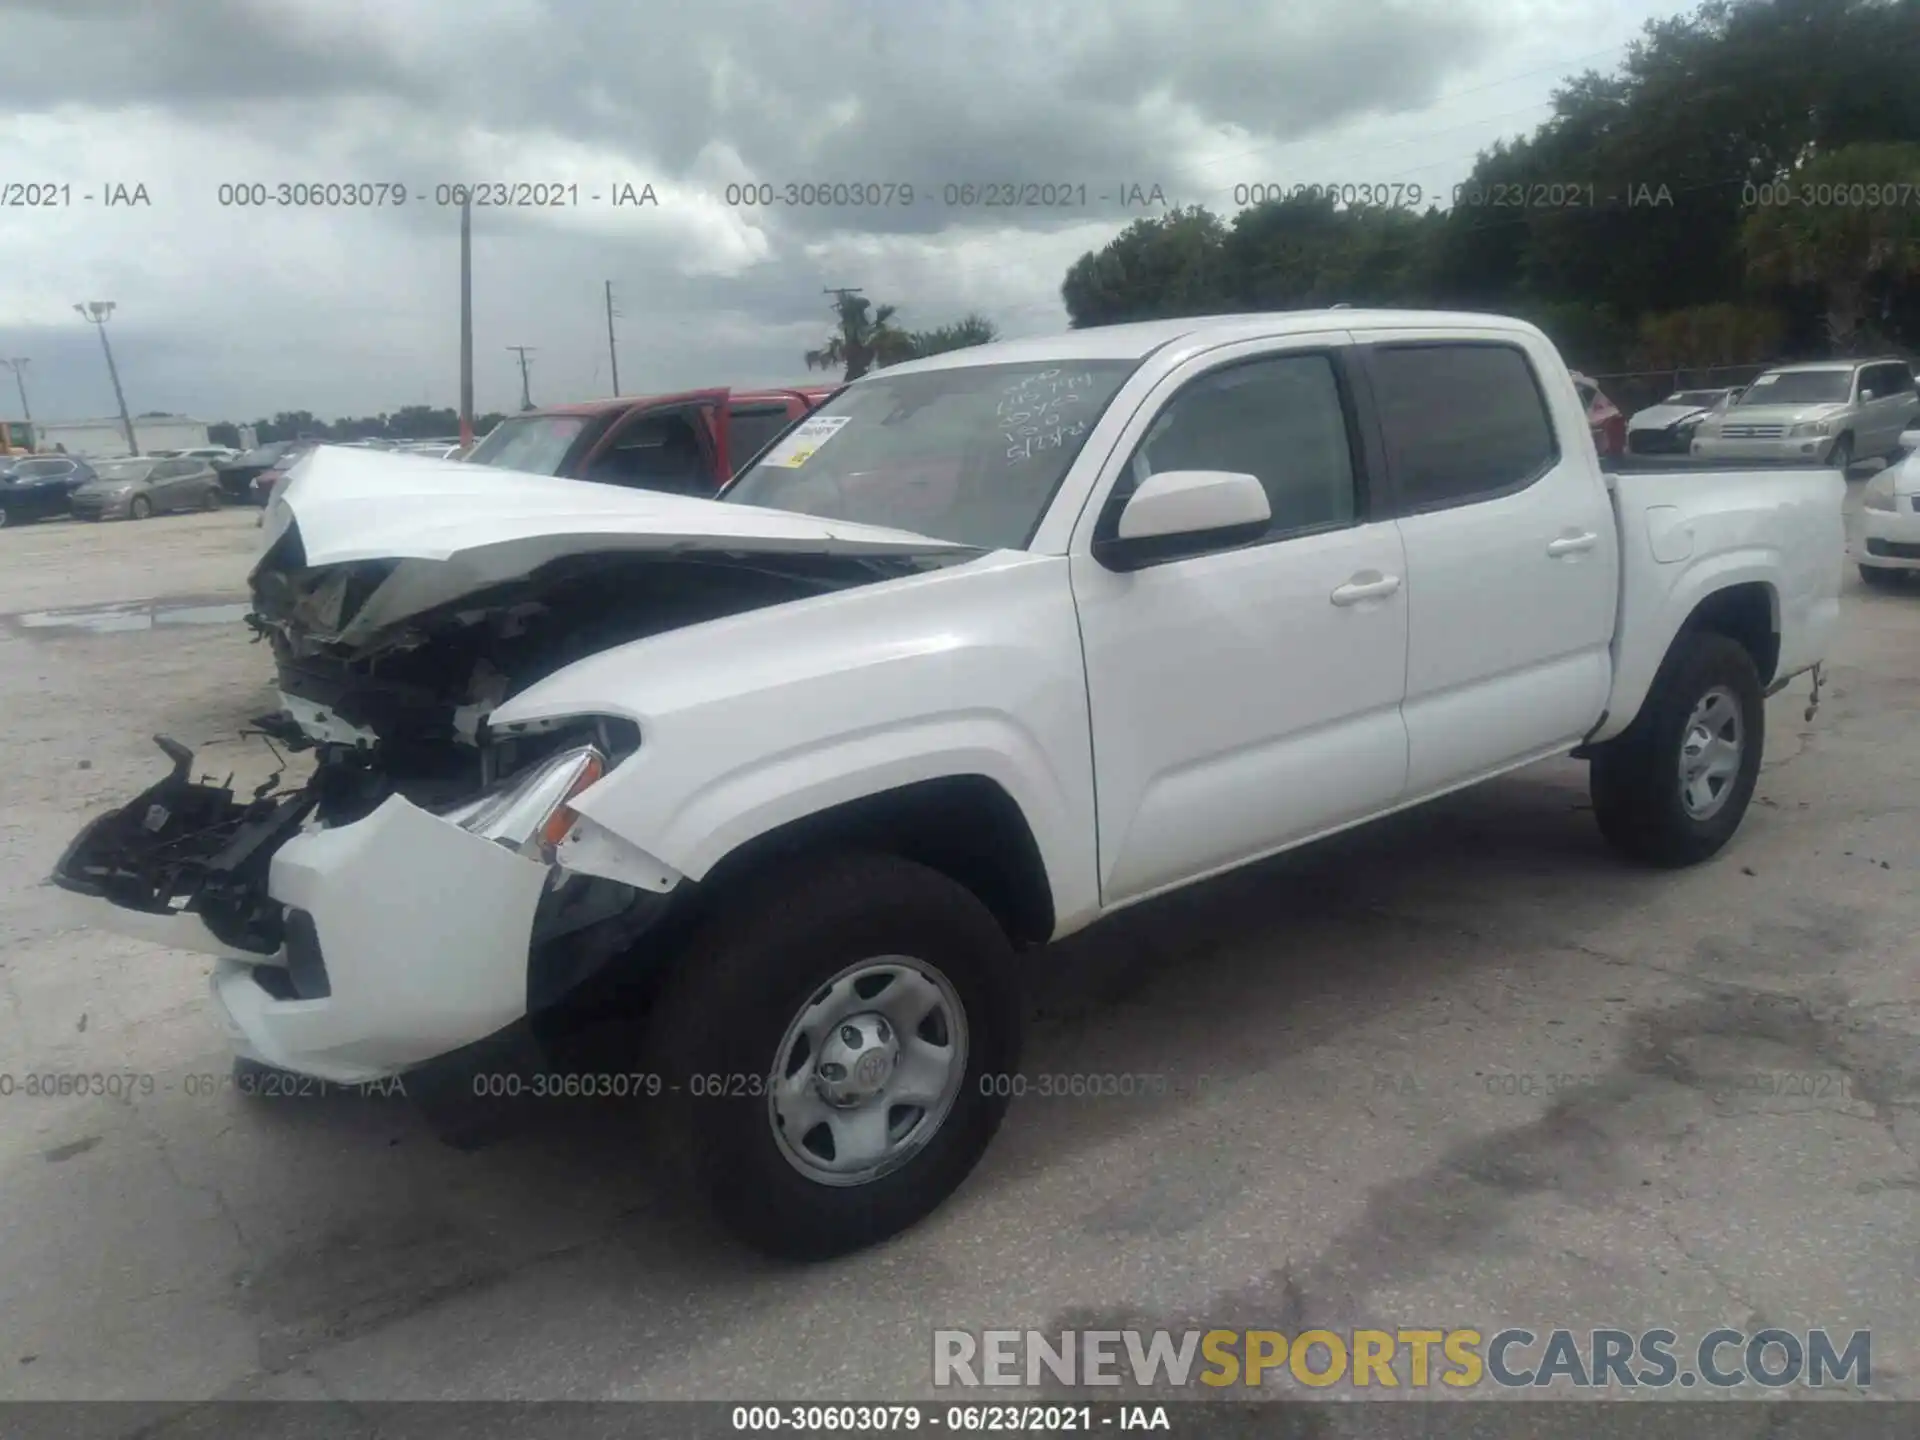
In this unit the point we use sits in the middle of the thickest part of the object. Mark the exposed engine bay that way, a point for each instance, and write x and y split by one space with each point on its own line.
404 711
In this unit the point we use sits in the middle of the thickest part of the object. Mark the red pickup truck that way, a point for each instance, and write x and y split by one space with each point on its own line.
689 444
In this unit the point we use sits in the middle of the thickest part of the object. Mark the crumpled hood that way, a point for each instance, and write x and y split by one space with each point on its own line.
448 529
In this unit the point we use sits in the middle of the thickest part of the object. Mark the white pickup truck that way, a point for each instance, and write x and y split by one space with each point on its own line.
987 648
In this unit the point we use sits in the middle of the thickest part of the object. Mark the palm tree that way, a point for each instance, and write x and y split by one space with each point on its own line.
863 341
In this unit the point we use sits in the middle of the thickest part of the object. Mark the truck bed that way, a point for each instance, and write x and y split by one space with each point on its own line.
1689 529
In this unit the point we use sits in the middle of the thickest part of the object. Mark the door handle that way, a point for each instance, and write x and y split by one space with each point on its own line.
1572 544
1354 591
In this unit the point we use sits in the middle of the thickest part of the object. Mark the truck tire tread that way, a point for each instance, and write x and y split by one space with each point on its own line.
1634 778
742 978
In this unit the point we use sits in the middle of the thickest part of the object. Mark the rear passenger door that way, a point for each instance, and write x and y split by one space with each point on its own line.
1512 561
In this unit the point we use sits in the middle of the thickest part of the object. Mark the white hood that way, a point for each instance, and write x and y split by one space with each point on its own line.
457 528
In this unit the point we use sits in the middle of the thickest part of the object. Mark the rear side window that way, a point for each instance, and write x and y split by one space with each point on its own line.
1463 422
749 428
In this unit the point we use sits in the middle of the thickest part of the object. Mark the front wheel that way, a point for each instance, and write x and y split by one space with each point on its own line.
212 499
139 508
1672 790
1879 577
838 1044
1841 456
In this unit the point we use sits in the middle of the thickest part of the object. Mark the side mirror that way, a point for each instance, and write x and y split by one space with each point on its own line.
1910 441
1866 394
1180 512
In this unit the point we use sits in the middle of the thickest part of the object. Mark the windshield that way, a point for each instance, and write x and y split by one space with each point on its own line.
535 443
1800 387
123 469
972 454
1698 399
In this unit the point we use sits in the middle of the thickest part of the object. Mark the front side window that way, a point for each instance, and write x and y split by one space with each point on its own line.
1279 420
1463 422
970 453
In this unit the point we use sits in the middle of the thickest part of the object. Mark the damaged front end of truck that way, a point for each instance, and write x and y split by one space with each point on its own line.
403 601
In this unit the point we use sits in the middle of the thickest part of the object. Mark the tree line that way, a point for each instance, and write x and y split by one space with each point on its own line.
409 422
1745 186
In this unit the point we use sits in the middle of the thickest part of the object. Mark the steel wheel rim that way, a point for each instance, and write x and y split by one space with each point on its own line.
1712 746
868 1070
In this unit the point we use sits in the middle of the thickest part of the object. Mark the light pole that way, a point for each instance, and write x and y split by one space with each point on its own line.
19 367
97 313
466 321
526 395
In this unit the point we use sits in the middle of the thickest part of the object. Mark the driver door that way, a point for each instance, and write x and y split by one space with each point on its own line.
668 447
1247 697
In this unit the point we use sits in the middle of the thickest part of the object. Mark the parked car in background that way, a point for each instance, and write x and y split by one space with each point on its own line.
678 443
1604 420
1890 519
1667 428
236 475
146 485
433 449
1836 411
212 454
39 487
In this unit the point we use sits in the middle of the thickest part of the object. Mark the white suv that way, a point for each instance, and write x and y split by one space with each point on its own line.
1837 411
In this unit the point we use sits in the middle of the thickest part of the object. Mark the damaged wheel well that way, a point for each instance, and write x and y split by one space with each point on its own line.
965 826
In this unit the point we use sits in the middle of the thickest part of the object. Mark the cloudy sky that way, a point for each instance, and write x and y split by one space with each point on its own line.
231 313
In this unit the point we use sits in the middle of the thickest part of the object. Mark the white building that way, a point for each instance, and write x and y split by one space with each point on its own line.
107 439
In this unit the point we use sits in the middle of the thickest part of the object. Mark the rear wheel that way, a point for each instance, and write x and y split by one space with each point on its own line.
1881 578
212 499
836 1046
139 508
1672 790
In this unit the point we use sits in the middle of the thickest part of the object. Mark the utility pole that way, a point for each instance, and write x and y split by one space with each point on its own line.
526 394
466 320
97 313
613 353
19 367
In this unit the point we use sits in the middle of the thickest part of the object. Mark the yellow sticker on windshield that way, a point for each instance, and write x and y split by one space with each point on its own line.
794 451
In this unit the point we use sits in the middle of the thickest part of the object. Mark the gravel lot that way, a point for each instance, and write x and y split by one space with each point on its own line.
1459 1068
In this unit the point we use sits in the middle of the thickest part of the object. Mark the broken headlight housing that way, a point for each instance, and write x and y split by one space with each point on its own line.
529 810
530 815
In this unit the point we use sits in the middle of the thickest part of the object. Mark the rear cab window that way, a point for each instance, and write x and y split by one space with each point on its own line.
1463 421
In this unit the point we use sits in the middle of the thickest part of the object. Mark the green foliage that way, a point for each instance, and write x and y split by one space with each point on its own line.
1628 223
868 339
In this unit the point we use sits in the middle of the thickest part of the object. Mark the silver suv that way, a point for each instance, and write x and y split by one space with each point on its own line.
1837 411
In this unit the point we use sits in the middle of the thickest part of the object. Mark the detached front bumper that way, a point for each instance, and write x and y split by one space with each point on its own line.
370 949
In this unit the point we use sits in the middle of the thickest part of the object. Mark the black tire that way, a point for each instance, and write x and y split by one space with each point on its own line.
1879 577
213 499
3 517
1841 456
139 508
1635 778
748 974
